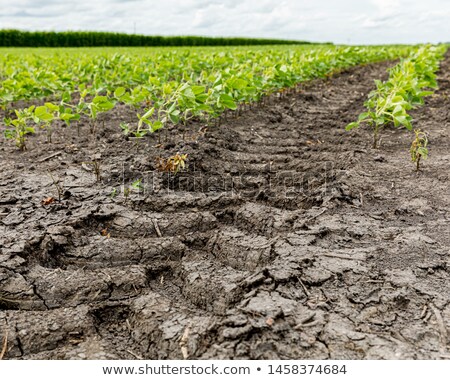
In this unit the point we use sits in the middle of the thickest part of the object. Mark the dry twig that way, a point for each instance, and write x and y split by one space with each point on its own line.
135 355
158 231
4 345
303 286
183 343
49 157
344 257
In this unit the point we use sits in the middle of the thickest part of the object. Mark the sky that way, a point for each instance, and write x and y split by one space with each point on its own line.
338 21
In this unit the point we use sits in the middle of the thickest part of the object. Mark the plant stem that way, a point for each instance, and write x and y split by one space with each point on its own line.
375 136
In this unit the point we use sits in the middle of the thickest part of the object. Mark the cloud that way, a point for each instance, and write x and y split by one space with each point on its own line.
381 21
387 6
344 21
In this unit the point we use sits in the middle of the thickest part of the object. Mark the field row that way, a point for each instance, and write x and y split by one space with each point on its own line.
410 81
162 85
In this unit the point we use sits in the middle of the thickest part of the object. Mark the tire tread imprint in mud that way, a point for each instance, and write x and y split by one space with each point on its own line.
344 256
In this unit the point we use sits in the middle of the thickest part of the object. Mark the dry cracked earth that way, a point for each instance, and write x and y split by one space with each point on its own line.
286 237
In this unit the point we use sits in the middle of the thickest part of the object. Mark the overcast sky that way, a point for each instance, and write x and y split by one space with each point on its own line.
339 21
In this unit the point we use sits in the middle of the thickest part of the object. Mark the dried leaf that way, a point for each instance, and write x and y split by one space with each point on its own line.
105 232
48 201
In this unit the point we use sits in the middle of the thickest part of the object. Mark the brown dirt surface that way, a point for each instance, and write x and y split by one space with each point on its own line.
286 237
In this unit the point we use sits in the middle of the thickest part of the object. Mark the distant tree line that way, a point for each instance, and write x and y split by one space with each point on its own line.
19 38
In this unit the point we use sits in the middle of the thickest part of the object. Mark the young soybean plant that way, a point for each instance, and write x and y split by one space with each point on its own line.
382 111
47 114
419 148
98 105
18 128
389 102
404 90
91 109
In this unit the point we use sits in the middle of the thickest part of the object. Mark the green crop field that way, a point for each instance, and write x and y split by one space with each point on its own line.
164 85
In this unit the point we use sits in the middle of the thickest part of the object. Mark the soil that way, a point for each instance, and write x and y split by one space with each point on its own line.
286 237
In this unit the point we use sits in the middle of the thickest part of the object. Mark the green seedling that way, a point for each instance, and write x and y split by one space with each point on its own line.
133 98
404 90
19 128
178 103
92 109
44 116
419 148
113 193
146 119
98 105
383 110
125 128
136 185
